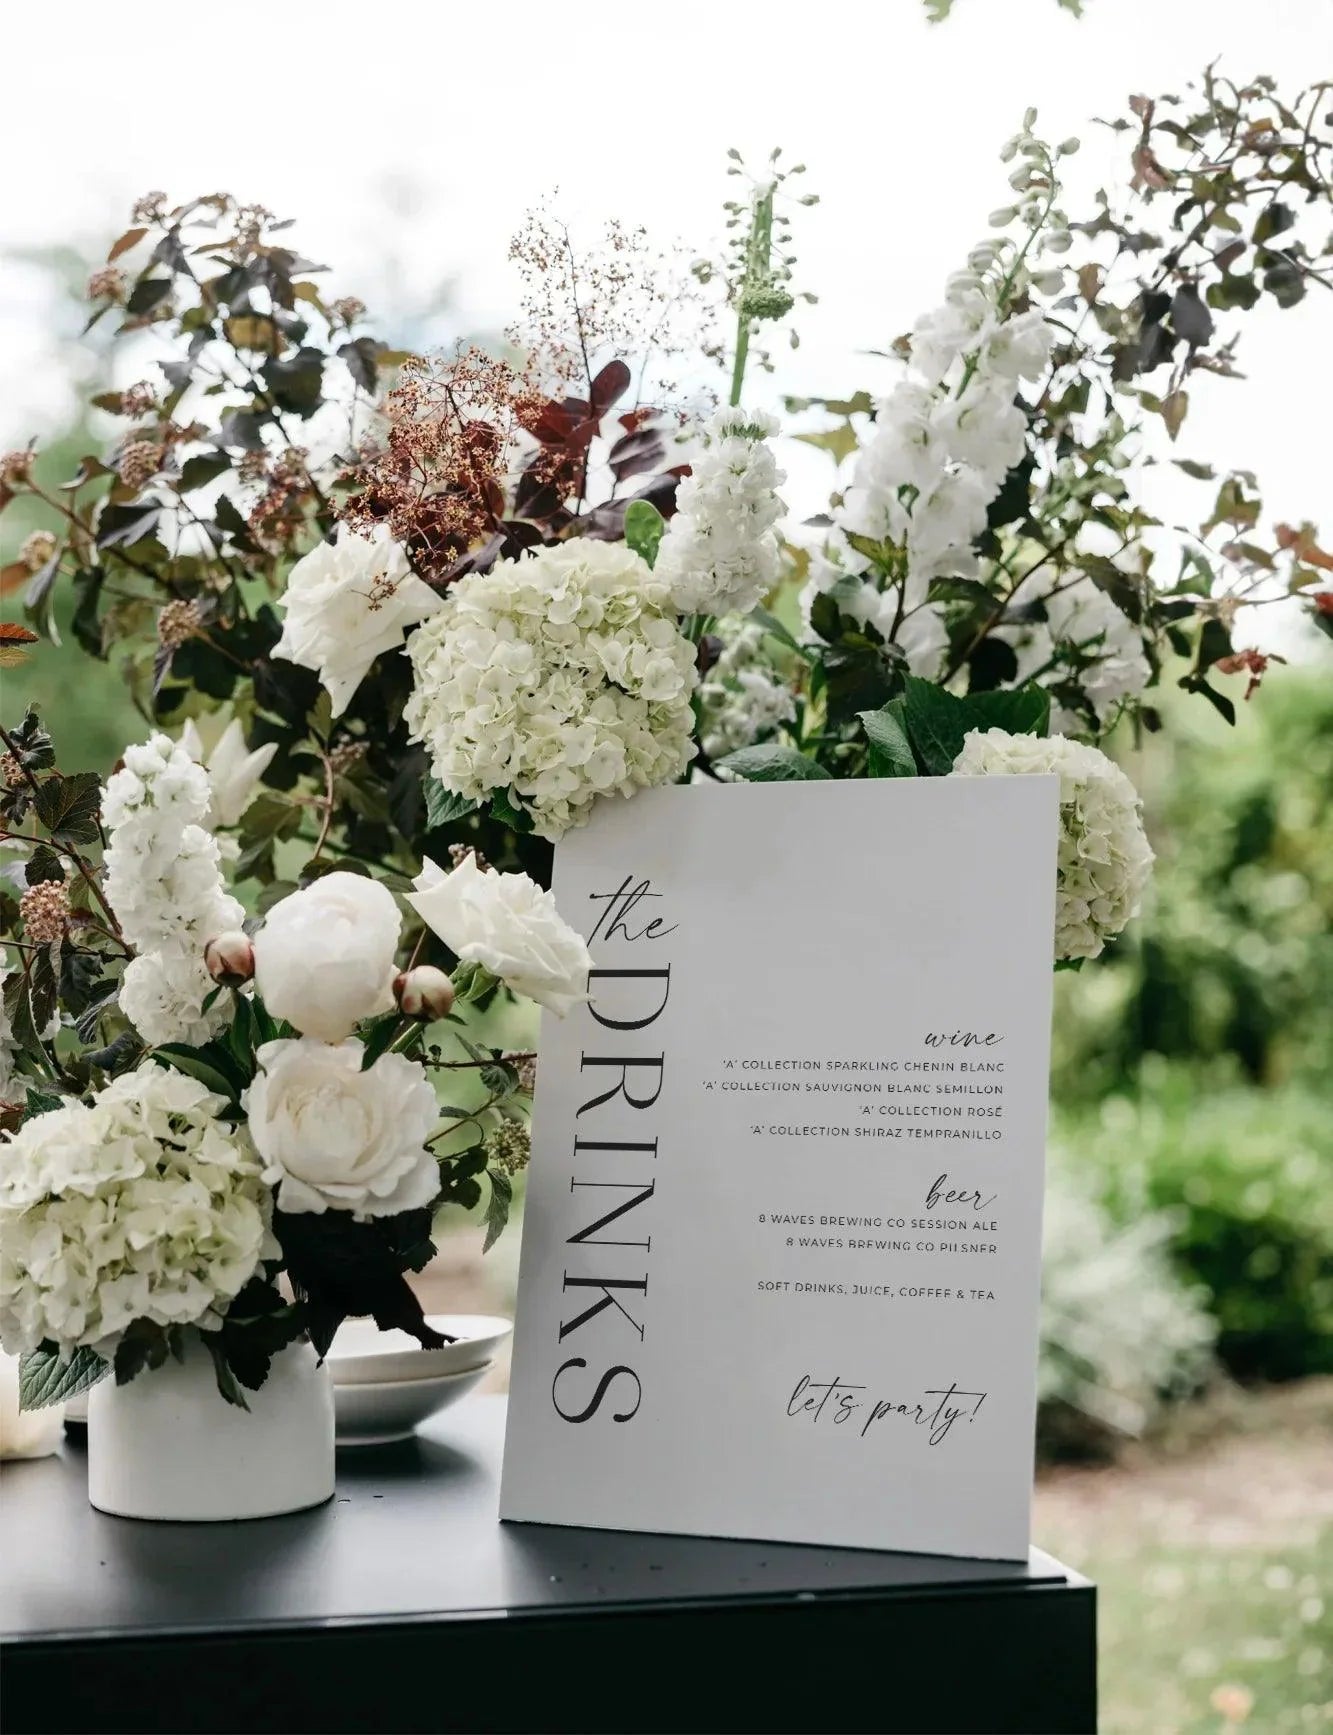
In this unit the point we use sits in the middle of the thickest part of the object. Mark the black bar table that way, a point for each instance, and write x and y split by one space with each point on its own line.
404 1605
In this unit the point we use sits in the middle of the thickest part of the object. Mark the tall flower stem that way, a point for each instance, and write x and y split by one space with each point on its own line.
757 278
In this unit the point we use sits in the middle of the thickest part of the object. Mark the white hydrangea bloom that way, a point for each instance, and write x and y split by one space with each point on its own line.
556 678
720 551
142 1205
164 882
741 700
345 604
1105 859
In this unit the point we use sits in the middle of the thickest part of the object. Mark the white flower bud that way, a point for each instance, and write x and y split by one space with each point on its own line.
1049 282
1069 147
1021 178
1059 241
1002 218
423 992
230 958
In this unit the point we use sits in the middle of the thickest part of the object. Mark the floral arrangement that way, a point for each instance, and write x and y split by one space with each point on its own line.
399 622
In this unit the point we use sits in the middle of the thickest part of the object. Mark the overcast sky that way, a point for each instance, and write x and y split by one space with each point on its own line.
409 138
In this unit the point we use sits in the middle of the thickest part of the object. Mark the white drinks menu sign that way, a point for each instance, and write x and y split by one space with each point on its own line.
781 1249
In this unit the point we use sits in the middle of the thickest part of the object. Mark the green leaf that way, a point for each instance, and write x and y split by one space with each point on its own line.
497 1209
68 806
215 1070
503 809
377 1037
644 529
45 1379
39 1102
771 624
771 763
937 722
839 441
473 983
443 806
1020 711
890 750
228 1385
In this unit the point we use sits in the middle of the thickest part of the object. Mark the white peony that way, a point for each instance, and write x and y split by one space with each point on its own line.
1105 859
720 551
554 679
334 1137
140 1205
324 958
234 772
507 924
346 603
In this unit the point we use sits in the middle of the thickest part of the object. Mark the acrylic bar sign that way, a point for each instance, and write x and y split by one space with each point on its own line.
782 1238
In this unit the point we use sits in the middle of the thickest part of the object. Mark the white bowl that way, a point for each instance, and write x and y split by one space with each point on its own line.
362 1354
376 1414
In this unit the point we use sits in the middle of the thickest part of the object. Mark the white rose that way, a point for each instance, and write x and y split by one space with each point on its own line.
324 958
346 603
336 1138
507 924
234 772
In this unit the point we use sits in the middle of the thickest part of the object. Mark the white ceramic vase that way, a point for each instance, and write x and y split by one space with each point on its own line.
168 1446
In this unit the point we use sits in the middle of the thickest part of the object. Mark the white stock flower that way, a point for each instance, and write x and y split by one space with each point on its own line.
1020 348
163 993
163 881
324 958
1105 859
1084 617
741 700
555 678
234 772
335 1137
141 1205
720 552
508 925
984 429
158 791
943 442
1085 640
346 603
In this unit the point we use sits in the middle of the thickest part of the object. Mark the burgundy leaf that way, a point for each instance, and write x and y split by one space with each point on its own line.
636 453
609 387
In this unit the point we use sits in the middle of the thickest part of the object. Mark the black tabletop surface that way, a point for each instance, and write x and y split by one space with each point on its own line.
412 1531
